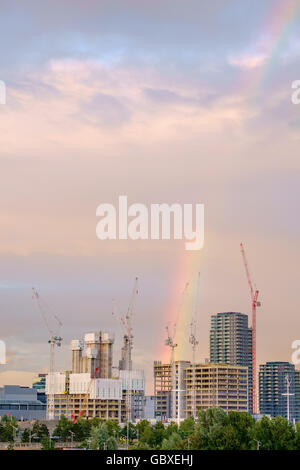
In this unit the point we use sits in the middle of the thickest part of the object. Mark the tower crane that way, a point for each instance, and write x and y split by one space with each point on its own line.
172 345
194 342
54 340
127 325
254 303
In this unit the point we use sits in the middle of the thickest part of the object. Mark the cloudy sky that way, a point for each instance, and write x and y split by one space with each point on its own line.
163 101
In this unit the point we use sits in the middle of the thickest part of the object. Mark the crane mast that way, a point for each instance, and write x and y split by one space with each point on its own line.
126 362
127 323
254 303
172 345
54 340
128 344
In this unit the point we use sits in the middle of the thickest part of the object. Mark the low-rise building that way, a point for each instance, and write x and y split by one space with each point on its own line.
21 402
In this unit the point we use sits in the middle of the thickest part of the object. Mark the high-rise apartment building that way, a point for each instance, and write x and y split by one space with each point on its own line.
231 343
273 388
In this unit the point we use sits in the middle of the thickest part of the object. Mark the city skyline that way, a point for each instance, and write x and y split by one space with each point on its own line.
164 104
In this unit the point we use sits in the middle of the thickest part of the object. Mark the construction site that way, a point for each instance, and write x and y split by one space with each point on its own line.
227 381
93 387
90 389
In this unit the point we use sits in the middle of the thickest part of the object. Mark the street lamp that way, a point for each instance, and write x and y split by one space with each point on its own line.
52 437
31 436
258 444
14 432
288 395
72 437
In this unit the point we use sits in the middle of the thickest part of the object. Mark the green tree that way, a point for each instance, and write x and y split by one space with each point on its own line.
297 437
210 423
145 438
140 446
187 427
237 431
273 434
132 434
10 428
63 428
101 440
172 442
25 435
40 430
81 429
215 430
2 433
94 421
157 435
141 427
47 443
113 428
170 429
111 443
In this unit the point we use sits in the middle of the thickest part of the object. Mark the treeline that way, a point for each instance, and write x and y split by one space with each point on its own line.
213 430
216 430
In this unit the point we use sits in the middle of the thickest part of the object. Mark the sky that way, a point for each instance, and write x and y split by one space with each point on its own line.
163 101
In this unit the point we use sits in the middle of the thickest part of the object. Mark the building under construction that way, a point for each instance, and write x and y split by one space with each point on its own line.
90 389
168 401
199 386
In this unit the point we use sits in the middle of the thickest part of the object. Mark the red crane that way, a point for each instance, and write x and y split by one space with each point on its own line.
254 303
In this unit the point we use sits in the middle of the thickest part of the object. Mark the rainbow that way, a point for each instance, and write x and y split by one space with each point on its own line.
189 264
280 24
277 29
